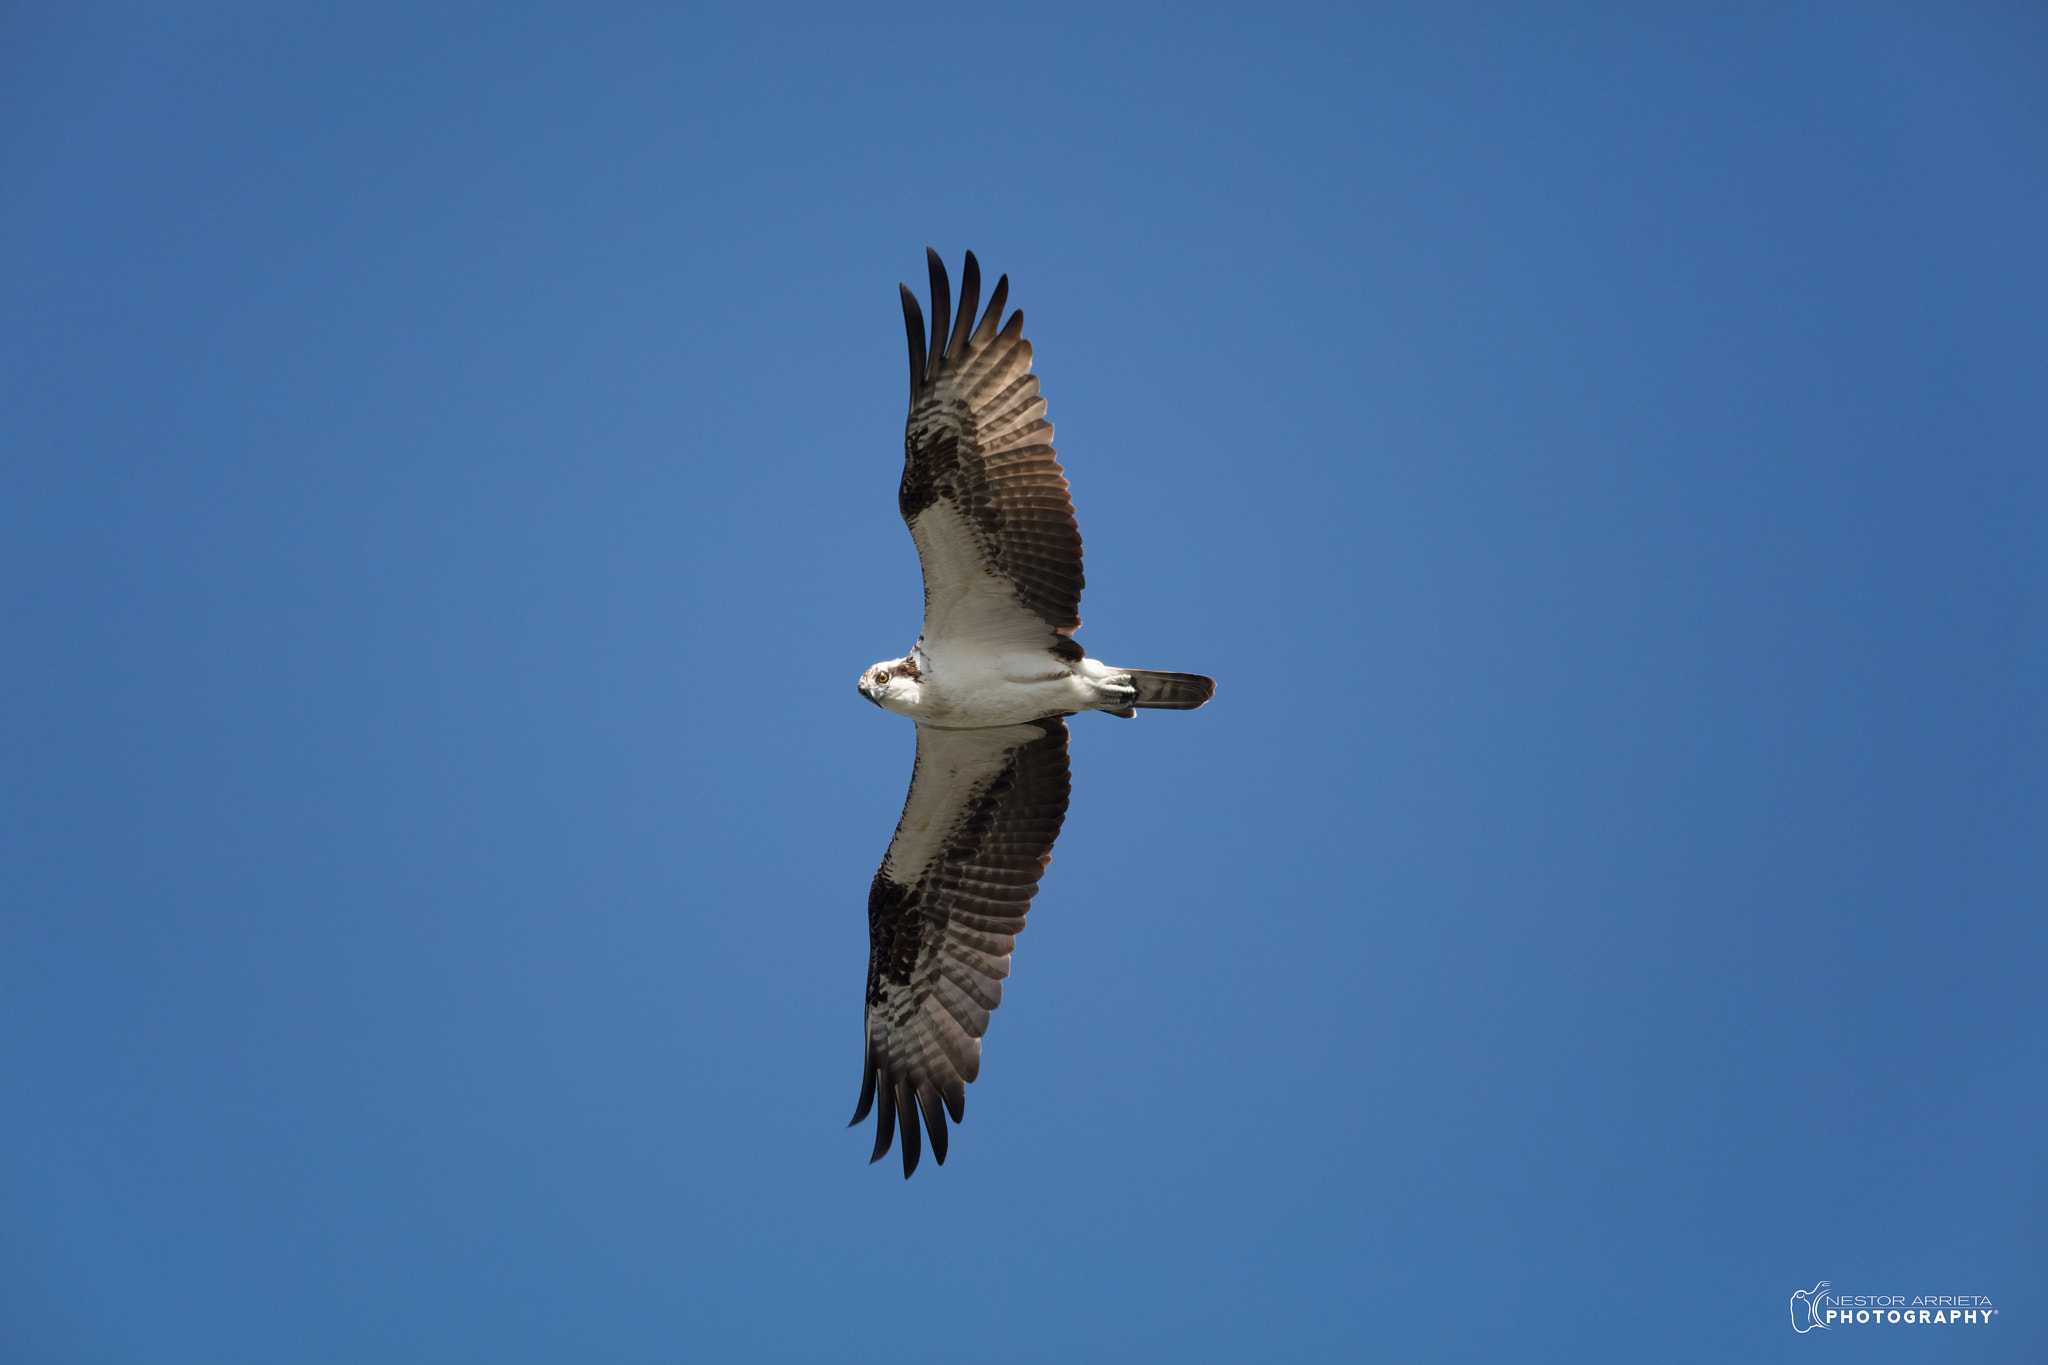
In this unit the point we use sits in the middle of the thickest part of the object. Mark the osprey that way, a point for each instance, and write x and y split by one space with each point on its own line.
990 682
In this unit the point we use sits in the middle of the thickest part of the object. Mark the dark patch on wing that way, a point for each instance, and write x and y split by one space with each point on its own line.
931 466
892 934
977 437
945 941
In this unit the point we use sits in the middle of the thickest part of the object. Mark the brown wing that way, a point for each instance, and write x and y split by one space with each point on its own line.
982 490
944 912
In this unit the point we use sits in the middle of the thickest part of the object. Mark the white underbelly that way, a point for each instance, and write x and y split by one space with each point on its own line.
970 689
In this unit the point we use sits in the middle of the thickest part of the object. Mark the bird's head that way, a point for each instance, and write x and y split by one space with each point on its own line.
892 685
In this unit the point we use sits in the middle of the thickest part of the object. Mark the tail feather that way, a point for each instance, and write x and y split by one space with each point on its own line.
1171 691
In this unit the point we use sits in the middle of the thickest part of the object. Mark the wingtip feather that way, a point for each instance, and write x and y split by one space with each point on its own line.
994 312
867 1090
906 1119
934 1120
970 298
885 1122
913 323
942 306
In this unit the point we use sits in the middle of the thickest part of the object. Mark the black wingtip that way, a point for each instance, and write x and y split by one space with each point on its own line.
994 315
934 1121
885 1123
913 323
906 1119
970 296
942 303
867 1090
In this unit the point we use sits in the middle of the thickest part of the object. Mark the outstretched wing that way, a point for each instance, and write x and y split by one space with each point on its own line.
944 912
982 491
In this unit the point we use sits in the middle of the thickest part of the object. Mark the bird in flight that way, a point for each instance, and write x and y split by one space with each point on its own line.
990 682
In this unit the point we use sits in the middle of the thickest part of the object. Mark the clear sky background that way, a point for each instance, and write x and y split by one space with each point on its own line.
447 493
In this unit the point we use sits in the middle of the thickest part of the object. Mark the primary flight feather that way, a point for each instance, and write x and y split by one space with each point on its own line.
990 682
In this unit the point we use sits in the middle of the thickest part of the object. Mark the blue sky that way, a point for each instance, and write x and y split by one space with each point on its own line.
448 495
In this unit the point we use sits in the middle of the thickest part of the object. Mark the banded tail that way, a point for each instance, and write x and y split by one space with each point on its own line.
1171 691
